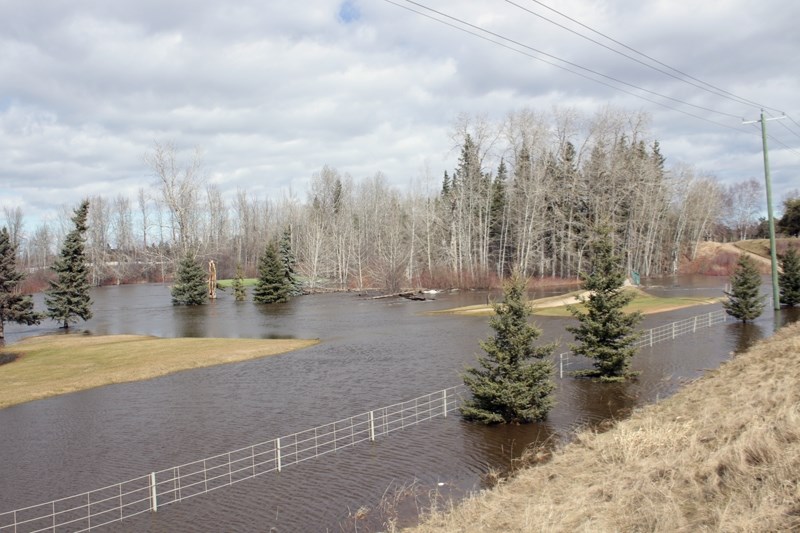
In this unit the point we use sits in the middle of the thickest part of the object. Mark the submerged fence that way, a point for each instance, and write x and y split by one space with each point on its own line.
652 336
120 501
147 493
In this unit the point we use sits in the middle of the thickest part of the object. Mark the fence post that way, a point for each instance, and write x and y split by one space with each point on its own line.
673 330
371 427
561 366
444 402
694 328
651 337
153 493
253 458
278 452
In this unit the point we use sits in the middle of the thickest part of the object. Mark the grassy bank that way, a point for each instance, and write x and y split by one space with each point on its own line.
228 283
557 305
58 364
723 454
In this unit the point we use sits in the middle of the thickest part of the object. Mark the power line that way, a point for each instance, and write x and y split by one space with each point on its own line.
778 141
793 121
717 90
787 128
561 67
596 73
671 75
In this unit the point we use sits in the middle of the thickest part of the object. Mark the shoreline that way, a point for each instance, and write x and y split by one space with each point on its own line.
722 454
52 365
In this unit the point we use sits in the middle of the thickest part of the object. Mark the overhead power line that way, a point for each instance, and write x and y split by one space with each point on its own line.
556 58
709 87
787 128
463 26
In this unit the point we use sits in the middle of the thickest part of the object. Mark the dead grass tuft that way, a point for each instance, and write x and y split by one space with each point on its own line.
723 454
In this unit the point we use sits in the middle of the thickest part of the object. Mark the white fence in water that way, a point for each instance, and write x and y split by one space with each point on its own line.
660 334
147 493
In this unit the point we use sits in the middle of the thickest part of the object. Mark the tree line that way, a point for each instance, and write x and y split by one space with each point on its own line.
525 193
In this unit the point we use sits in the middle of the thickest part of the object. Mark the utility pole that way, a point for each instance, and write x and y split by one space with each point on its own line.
772 251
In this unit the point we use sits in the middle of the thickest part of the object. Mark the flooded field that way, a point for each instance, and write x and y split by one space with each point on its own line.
373 353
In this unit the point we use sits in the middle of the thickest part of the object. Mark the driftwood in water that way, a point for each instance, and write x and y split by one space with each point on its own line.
407 295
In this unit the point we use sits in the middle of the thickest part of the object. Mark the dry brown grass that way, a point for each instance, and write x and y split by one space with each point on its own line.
58 364
723 454
557 305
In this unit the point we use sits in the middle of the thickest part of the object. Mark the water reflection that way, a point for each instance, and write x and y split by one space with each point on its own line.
745 335
598 401
505 443
786 315
189 321
373 353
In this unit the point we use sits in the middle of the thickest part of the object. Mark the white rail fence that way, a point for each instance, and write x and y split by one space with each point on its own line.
120 501
659 334
107 505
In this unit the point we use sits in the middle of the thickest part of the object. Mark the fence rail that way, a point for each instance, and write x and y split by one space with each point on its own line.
100 507
659 334
120 501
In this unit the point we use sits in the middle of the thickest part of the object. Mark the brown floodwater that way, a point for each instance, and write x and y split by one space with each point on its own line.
373 353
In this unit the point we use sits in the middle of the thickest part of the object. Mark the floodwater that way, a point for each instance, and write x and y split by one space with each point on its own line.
373 353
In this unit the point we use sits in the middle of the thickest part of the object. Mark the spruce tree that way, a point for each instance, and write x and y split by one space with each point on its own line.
67 298
14 306
790 221
744 302
272 286
789 278
289 263
239 291
605 333
191 285
513 382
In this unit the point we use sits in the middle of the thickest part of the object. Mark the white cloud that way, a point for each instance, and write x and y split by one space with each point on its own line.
274 90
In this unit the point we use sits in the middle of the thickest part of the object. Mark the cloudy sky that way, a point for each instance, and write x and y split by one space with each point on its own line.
273 90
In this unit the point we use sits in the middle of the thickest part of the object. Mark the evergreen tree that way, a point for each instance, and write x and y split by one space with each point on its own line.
191 285
508 386
239 291
272 286
789 278
67 298
790 221
445 185
744 302
605 334
289 263
14 307
497 213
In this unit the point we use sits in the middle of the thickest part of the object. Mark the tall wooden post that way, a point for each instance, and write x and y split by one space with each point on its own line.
212 280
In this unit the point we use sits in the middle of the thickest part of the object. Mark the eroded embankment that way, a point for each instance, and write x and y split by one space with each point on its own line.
723 454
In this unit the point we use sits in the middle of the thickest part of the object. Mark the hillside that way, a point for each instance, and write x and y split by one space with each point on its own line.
719 259
723 454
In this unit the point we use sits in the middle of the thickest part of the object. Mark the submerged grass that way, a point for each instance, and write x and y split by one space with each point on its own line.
723 454
557 305
228 283
58 364
644 303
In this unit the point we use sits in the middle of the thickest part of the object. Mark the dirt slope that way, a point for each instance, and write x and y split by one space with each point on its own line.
719 259
723 454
